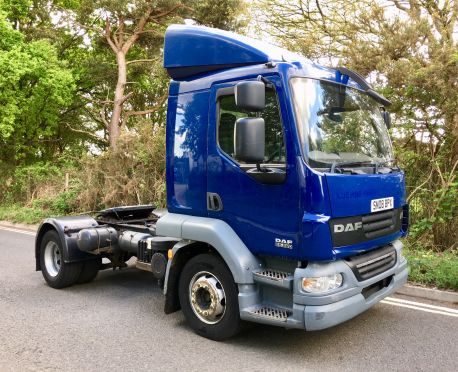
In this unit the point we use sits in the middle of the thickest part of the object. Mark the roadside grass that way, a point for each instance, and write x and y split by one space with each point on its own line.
31 213
21 214
427 267
431 268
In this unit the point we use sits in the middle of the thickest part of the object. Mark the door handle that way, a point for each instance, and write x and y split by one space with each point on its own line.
214 202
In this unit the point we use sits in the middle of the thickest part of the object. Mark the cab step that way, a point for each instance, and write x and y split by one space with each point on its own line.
269 314
275 278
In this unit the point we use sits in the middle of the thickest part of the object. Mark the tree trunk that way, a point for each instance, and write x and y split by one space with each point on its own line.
116 117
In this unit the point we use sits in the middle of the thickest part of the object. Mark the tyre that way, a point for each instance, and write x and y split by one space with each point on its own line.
209 297
56 272
89 270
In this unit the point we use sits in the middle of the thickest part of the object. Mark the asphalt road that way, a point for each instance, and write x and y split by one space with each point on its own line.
117 323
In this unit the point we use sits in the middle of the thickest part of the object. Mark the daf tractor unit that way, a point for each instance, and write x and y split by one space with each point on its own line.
284 203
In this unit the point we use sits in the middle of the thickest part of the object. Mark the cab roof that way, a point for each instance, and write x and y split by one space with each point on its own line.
193 50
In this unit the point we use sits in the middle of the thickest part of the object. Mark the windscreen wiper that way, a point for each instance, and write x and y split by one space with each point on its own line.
376 164
337 164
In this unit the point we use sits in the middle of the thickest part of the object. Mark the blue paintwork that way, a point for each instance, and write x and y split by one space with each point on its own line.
190 46
349 194
300 208
186 146
257 212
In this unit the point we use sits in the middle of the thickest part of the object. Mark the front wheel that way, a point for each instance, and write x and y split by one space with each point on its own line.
57 273
209 297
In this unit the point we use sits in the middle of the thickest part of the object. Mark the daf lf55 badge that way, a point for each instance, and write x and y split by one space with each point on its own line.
284 243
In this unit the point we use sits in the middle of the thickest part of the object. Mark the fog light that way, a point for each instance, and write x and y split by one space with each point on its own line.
322 283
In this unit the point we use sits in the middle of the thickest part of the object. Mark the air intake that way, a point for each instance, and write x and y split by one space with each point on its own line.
370 264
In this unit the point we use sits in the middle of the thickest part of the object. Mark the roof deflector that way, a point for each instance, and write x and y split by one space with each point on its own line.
193 50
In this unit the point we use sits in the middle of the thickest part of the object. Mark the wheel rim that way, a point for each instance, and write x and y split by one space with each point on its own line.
52 258
207 297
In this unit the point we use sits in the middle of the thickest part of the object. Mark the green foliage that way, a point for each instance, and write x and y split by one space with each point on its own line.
24 184
432 268
226 15
35 88
17 10
63 203
58 77
8 36
133 173
22 214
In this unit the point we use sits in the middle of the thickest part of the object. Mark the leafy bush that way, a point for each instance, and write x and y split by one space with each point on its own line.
19 213
432 268
28 183
133 173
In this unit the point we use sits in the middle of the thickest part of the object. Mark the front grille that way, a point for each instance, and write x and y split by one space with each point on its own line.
370 264
379 224
346 231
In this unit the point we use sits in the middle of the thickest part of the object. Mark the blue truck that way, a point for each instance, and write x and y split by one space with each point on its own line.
284 204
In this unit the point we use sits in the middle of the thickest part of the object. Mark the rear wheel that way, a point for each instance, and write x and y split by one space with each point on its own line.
57 273
209 297
90 270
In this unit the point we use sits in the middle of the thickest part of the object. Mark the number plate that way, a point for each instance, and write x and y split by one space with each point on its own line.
382 204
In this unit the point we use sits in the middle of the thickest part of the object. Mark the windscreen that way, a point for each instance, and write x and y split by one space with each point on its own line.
339 124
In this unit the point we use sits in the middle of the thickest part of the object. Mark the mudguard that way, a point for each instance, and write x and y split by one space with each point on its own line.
196 230
216 233
67 228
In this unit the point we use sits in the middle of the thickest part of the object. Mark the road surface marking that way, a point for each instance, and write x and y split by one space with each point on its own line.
419 308
434 307
25 232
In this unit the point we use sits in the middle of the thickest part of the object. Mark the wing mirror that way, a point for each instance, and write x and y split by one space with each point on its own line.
249 140
250 95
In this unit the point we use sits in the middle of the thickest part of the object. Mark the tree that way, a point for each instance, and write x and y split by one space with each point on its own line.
409 49
76 71
134 30
35 89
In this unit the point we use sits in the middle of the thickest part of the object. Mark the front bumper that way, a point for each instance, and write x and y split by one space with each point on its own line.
318 311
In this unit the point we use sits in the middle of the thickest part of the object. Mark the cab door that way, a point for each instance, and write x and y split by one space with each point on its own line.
265 214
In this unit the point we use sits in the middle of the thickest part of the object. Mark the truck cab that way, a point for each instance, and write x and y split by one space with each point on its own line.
284 203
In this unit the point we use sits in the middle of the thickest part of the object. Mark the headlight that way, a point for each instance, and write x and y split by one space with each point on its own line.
322 283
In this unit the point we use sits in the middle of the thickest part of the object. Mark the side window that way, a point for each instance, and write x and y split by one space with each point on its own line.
229 113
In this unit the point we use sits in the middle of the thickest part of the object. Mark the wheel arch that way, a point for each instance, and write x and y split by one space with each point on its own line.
201 235
183 251
67 229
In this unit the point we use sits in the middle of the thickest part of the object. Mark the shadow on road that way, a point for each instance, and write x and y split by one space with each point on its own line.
130 284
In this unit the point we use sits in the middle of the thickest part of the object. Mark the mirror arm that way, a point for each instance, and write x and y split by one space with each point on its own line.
262 170
266 82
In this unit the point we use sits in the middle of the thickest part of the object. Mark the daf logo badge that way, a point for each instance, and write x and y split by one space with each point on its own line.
284 243
339 228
